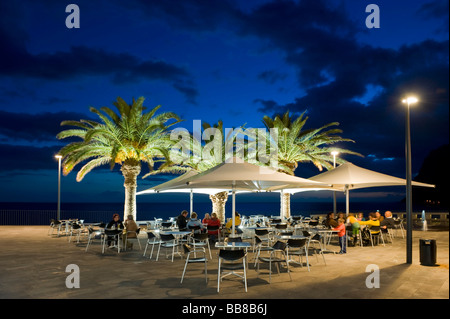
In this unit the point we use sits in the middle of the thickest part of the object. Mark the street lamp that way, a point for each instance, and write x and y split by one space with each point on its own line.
334 153
58 213
409 101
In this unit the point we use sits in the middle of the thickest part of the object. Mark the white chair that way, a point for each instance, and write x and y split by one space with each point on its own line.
316 239
298 247
152 240
231 260
201 240
95 234
135 237
189 260
277 255
167 241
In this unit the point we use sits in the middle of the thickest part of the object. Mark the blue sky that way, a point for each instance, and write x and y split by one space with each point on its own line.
208 60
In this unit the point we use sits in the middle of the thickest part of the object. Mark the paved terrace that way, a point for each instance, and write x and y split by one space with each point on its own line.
33 264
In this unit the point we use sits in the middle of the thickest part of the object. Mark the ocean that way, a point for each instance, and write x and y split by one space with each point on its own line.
41 213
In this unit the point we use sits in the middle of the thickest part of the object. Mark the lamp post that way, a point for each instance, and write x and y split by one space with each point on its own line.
58 212
409 100
334 153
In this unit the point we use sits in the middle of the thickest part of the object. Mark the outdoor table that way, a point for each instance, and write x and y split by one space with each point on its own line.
178 234
114 235
233 245
328 233
286 237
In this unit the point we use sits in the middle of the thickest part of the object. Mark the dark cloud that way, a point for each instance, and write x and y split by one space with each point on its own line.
271 76
438 9
78 61
40 127
194 15
27 158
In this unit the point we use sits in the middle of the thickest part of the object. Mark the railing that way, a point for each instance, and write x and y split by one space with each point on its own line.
42 217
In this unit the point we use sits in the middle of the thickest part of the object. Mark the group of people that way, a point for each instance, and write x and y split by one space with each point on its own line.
205 225
339 224
129 227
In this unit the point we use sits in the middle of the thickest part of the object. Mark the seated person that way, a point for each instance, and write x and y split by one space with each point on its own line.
206 219
182 221
213 221
194 222
361 217
388 221
132 227
355 224
379 217
330 222
237 222
116 225
373 221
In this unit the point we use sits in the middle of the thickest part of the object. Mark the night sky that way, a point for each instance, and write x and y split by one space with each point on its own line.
211 60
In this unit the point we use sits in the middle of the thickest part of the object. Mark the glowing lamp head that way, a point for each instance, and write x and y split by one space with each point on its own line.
58 156
334 153
410 100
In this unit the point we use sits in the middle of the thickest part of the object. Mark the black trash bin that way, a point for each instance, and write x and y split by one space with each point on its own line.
428 252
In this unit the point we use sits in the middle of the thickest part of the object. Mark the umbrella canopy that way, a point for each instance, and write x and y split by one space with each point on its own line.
168 187
174 184
237 175
349 176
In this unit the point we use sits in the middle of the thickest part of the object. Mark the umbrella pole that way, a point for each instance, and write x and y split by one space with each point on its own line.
282 204
233 212
347 200
192 200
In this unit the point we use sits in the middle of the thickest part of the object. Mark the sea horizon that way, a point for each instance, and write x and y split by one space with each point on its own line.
103 211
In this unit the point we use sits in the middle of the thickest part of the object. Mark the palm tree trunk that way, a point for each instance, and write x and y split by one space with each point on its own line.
285 199
218 205
130 171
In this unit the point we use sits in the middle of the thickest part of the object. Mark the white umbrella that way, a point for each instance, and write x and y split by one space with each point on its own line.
168 187
237 175
349 176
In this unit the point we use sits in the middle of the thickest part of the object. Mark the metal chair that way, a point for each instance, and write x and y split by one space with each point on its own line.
167 241
316 239
201 240
153 240
54 224
95 234
231 260
278 248
77 229
214 229
136 232
375 232
260 246
398 224
386 232
166 225
189 260
297 247
265 236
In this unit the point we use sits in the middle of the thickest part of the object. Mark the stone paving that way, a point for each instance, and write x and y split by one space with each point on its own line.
33 266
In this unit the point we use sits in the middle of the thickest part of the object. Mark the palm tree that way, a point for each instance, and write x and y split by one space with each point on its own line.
127 138
202 156
296 145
